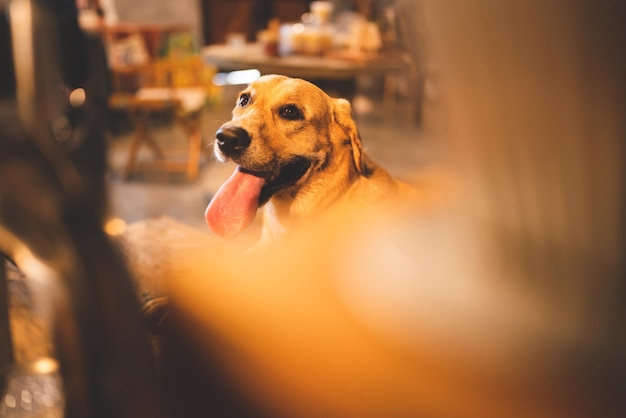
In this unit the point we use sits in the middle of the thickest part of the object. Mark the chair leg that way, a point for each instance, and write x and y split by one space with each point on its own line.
138 138
150 142
195 148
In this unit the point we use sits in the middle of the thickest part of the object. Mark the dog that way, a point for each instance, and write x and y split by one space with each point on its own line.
298 153
299 156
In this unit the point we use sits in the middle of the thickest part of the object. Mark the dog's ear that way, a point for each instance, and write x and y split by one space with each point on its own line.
343 117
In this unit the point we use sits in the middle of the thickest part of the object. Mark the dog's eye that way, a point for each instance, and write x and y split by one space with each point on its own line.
290 112
244 99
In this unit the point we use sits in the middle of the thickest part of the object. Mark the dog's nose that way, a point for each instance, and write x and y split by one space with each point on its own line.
231 139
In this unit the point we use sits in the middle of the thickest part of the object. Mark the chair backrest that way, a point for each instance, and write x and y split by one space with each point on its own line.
126 58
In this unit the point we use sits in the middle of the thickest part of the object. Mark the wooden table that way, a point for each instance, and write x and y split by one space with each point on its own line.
338 71
229 58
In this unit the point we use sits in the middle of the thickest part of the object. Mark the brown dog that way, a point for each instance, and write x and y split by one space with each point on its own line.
298 153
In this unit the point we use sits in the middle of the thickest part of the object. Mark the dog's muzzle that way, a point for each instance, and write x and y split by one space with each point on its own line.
232 140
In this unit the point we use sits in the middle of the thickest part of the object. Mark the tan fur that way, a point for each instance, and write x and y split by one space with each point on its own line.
327 135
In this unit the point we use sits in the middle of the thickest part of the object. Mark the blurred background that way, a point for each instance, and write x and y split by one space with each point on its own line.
371 52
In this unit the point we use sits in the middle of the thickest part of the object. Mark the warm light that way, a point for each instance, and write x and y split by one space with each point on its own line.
115 226
45 365
77 97
236 77
10 400
31 265
306 18
298 28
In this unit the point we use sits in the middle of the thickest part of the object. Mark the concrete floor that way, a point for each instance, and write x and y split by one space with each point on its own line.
388 133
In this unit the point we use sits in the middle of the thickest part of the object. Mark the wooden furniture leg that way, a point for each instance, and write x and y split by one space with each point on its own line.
151 143
140 133
195 147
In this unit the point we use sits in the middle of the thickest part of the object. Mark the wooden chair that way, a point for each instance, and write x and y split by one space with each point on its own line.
177 87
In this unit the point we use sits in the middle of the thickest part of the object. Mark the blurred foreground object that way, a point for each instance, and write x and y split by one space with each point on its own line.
52 208
507 302
536 98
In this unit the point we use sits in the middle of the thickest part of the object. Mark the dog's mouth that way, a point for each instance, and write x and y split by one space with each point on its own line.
235 204
287 175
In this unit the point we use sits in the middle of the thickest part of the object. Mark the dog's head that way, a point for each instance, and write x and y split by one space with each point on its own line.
284 131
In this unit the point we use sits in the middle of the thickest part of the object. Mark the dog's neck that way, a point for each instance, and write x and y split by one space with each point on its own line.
289 207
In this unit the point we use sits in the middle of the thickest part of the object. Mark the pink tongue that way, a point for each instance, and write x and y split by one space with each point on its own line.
235 204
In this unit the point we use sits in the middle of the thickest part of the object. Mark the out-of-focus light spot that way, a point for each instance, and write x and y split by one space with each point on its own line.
45 366
306 18
77 97
47 400
115 226
236 77
10 401
32 266
26 396
298 28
